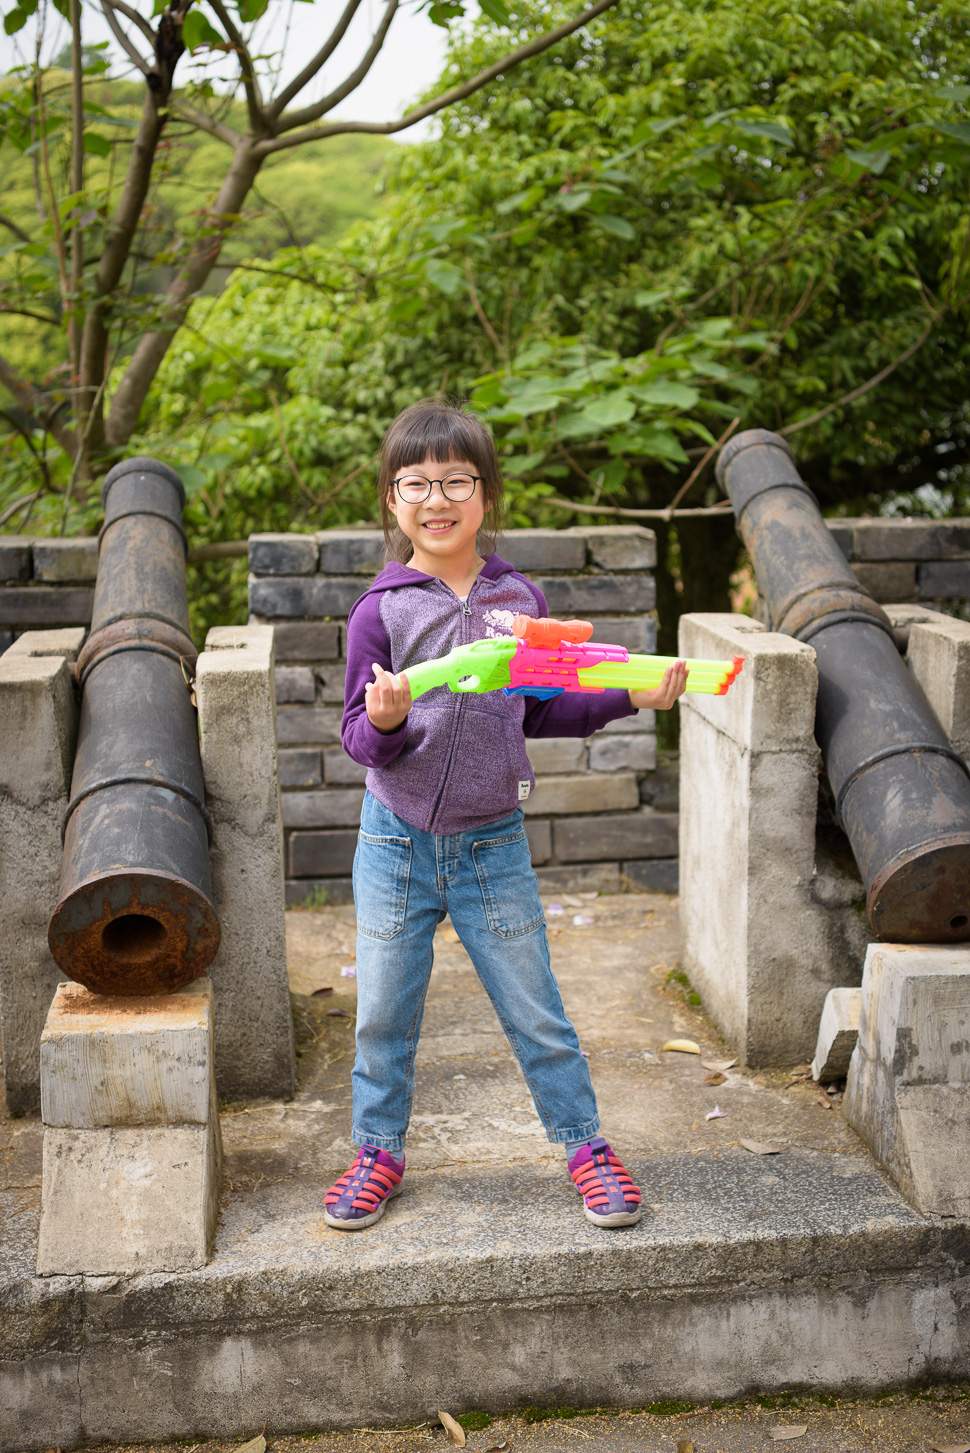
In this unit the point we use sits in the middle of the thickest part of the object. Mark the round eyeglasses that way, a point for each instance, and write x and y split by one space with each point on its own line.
415 488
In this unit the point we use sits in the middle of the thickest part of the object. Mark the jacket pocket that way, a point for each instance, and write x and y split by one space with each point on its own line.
382 867
509 888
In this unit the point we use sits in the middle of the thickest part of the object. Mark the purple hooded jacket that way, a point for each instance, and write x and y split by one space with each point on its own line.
457 761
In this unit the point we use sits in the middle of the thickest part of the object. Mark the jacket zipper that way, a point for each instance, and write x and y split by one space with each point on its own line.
466 611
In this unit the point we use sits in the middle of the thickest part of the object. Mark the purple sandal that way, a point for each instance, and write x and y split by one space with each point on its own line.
361 1195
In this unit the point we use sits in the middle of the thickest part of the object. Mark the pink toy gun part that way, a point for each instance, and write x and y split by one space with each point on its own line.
550 653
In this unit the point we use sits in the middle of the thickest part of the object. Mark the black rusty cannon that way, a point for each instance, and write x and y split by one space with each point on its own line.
135 914
901 793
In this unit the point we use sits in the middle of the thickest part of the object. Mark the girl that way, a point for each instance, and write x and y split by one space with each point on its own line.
441 827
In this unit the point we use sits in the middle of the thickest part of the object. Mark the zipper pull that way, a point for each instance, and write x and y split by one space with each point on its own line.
466 609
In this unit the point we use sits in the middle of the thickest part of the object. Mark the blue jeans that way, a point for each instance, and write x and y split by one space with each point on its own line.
405 882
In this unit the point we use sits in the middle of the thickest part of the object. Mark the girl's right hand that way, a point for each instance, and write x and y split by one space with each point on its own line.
387 699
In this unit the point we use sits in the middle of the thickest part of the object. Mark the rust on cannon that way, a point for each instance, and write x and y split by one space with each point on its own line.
135 913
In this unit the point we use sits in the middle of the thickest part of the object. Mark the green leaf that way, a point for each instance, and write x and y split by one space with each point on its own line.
959 130
521 464
15 20
443 276
519 200
771 130
250 10
573 200
610 410
646 129
96 145
873 161
618 226
197 32
192 478
666 394
495 10
661 444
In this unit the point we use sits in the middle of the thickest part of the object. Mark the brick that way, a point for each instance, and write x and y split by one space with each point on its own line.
542 550
281 597
556 754
295 683
321 854
841 532
330 683
583 792
65 561
623 753
579 878
340 770
282 554
641 834
944 579
6 641
16 561
643 722
887 579
583 595
661 789
540 841
321 892
619 547
332 807
652 875
46 605
300 767
637 633
307 641
895 539
351 552
299 726
953 537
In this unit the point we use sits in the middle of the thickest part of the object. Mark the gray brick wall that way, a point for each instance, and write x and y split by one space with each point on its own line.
45 583
908 560
604 813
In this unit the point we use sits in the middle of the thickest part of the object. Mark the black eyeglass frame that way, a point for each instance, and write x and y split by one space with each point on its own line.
475 478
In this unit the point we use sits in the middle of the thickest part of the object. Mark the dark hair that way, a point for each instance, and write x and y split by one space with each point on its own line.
439 429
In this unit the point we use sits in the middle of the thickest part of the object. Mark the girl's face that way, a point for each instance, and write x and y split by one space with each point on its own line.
439 528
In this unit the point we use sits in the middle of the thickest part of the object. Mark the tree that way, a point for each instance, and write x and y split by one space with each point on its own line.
79 265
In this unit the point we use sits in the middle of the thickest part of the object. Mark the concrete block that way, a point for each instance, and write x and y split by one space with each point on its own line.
661 789
321 854
556 754
909 1079
938 654
295 683
838 1031
300 767
887 579
109 1060
351 552
532 550
38 729
880 539
953 538
330 683
282 597
319 892
841 532
339 770
905 615
27 607
943 579
282 554
758 946
62 561
582 793
307 641
65 643
16 562
539 834
644 722
619 547
579 878
640 834
651 875
234 690
333 807
308 725
637 633
586 595
623 753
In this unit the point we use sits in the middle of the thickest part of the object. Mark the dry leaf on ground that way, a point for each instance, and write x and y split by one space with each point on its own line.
502 1447
255 1445
716 1079
788 1430
685 1446
825 1102
759 1148
682 1046
950 1447
455 1431
337 1014
319 993
719 1064
450 936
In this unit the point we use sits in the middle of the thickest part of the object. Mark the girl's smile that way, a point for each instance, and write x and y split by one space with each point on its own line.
443 532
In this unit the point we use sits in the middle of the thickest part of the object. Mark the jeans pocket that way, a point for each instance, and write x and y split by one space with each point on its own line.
508 885
382 866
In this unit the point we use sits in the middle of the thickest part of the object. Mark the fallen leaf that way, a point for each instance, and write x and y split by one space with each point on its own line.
716 1114
715 1079
319 993
455 1431
499 1447
788 1430
683 1046
589 896
825 1102
758 1148
950 1447
719 1064
337 1014
572 900
685 1446
450 936
255 1445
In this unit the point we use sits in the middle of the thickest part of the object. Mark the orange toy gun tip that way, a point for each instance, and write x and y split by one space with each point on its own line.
547 632
736 664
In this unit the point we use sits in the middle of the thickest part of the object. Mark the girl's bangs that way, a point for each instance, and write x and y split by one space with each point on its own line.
439 434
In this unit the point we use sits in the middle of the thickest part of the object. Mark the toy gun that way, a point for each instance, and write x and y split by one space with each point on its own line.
546 657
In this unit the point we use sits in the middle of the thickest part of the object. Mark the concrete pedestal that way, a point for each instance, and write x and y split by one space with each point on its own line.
770 919
908 1090
132 1150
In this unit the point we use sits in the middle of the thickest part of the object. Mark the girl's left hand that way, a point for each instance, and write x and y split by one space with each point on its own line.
662 697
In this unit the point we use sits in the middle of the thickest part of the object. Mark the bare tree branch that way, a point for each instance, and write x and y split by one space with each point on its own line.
307 114
291 91
121 36
209 124
11 225
131 15
870 383
48 318
35 401
457 93
254 99
723 508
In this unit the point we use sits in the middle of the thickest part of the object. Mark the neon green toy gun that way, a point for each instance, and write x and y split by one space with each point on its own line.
546 657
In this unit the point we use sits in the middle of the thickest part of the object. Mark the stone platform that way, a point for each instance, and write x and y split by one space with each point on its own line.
484 1286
